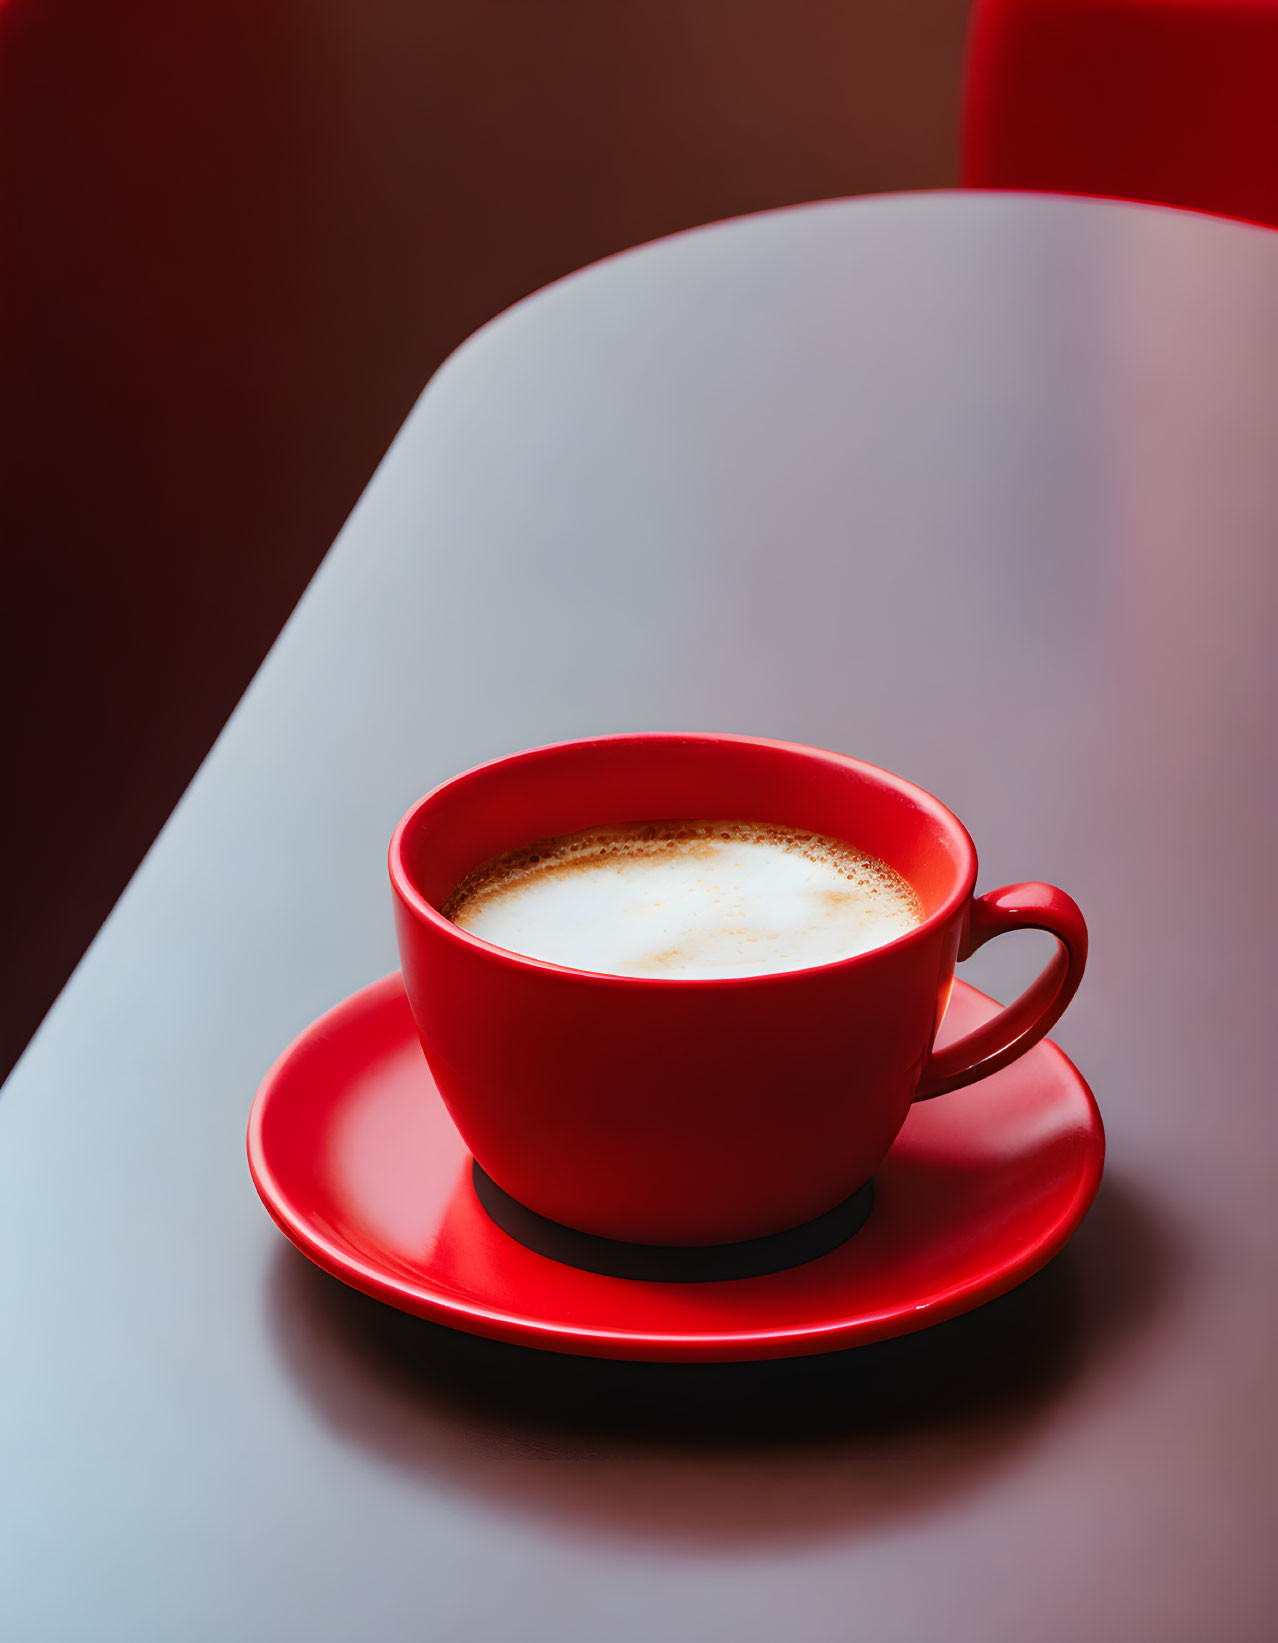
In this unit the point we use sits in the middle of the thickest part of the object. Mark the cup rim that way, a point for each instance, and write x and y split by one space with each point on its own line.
416 903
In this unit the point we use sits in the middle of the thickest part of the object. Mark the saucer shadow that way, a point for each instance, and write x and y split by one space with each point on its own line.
723 1453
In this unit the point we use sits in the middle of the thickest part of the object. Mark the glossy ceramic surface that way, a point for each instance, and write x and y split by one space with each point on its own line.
704 1111
355 1156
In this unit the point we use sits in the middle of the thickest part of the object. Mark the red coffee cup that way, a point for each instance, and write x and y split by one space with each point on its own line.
702 1111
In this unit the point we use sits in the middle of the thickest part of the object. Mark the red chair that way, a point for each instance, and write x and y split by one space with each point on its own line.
1174 101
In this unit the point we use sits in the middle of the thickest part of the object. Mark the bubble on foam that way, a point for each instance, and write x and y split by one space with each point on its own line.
647 898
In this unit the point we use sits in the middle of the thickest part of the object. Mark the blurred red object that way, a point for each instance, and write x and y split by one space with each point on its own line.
1172 101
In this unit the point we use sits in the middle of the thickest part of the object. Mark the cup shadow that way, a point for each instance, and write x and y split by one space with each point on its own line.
724 1453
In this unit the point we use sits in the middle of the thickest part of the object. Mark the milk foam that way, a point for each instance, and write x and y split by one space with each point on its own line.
686 899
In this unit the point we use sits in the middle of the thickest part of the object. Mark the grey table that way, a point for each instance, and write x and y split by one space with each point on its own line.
981 488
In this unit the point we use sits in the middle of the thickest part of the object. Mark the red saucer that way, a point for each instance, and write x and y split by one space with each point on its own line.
356 1158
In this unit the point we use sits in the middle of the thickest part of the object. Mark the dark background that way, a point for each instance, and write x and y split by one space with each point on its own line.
237 239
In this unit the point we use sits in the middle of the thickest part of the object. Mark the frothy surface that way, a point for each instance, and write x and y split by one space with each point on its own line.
686 899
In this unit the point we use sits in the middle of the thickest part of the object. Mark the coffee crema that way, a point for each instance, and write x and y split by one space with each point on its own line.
686 899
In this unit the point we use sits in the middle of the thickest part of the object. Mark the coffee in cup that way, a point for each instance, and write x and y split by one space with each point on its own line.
684 1107
687 899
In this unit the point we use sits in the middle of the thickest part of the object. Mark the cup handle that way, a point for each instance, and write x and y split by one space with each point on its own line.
1020 1026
